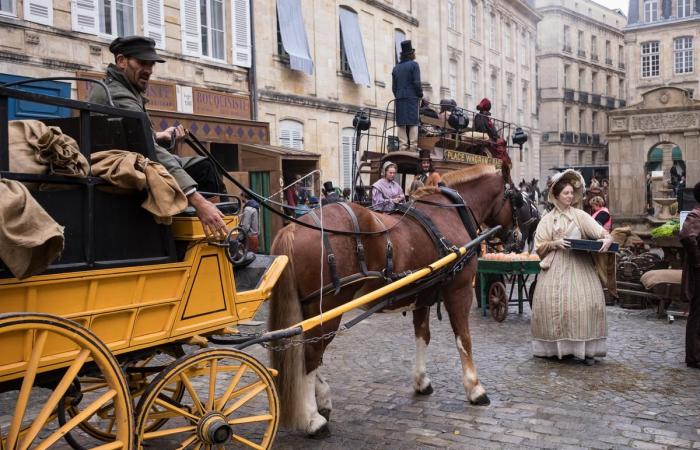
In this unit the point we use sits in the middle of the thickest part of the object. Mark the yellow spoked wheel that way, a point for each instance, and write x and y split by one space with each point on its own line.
139 373
230 401
70 350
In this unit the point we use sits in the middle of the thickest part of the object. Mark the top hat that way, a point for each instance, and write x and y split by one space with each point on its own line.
424 154
138 47
406 48
328 187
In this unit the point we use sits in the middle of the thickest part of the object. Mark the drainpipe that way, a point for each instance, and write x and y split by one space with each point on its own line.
252 73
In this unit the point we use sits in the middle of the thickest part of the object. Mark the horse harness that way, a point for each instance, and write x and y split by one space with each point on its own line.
441 243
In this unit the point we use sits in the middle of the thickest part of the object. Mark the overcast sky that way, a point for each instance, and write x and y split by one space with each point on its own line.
612 4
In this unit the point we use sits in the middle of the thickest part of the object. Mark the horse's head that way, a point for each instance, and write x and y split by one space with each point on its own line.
518 215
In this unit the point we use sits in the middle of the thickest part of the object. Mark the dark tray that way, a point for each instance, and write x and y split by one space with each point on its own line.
583 245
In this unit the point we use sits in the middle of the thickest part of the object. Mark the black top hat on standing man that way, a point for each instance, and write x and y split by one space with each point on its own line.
407 49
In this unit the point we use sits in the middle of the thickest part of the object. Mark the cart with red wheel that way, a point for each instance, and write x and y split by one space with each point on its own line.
493 277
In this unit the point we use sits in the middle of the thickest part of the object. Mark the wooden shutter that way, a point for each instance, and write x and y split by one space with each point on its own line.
240 21
286 138
39 11
153 25
191 28
347 147
85 16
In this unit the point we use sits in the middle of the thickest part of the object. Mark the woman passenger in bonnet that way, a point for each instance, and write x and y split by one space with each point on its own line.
568 315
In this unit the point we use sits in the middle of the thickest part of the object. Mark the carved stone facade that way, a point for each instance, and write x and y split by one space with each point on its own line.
666 121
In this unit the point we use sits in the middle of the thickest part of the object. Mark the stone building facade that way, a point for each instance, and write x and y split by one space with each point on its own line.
662 39
473 49
582 75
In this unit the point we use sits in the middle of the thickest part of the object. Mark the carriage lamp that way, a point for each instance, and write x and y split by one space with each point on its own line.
519 138
361 121
458 120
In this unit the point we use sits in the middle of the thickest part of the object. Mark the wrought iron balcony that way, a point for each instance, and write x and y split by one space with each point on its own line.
581 53
594 57
567 137
608 61
583 97
568 95
621 65
566 49
595 99
622 103
584 138
610 102
596 139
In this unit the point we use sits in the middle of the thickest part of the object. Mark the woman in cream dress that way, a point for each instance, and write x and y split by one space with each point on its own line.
568 316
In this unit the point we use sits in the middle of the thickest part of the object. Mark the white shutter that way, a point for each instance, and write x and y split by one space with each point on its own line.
191 28
347 148
85 16
297 139
285 138
240 21
39 11
153 25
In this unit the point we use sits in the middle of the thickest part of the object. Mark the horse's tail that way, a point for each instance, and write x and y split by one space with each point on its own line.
285 310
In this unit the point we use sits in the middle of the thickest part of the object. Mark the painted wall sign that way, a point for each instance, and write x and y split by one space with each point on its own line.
161 95
219 104
470 158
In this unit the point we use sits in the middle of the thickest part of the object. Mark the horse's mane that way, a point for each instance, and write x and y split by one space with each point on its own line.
456 177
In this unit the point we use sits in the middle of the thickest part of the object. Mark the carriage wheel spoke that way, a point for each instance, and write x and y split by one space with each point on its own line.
251 419
172 431
92 388
255 389
55 397
110 446
26 389
245 441
232 385
83 415
195 397
212 384
177 410
188 441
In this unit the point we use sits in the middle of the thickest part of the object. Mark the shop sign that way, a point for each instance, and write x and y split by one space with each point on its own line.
219 104
470 158
161 95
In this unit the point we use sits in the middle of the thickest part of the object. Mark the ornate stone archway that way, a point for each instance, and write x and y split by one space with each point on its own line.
665 117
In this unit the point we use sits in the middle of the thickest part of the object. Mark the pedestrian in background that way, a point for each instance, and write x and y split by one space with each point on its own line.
330 194
600 213
568 309
386 192
690 282
250 223
406 86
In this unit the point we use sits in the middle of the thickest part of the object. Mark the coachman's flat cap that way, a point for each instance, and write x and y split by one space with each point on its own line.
139 47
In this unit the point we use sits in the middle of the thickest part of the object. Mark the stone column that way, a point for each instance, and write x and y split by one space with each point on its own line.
691 156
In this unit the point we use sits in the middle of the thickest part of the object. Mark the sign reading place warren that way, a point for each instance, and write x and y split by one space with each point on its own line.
470 158
219 104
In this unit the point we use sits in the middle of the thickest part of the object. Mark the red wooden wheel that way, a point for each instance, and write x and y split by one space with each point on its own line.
498 301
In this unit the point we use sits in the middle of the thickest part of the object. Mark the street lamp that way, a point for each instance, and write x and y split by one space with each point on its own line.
519 138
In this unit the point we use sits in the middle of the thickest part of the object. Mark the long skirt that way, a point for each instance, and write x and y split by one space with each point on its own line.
568 316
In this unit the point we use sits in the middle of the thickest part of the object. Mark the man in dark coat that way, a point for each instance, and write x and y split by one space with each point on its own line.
405 83
690 282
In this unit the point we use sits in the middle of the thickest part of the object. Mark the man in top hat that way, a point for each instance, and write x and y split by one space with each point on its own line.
447 105
406 85
127 80
428 176
330 195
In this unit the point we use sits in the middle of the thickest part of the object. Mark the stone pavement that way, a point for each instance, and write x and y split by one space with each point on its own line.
640 396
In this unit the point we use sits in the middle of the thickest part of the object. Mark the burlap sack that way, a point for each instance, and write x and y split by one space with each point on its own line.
133 171
38 149
29 238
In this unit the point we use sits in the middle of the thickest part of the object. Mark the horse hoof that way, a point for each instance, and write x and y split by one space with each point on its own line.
326 413
482 400
321 433
426 390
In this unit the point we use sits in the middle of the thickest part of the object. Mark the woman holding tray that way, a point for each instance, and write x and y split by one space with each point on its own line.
568 316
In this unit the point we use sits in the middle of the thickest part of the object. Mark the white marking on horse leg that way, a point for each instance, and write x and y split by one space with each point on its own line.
314 421
420 378
323 393
472 385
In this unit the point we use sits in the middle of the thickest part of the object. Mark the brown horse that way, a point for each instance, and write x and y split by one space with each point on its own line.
305 396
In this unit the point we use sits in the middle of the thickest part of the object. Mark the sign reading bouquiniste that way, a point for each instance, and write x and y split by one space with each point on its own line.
220 104
470 158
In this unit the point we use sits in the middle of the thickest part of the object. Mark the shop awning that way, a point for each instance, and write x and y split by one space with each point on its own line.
655 154
294 41
283 152
354 49
676 154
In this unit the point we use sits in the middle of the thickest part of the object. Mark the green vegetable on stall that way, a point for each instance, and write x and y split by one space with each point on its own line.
669 229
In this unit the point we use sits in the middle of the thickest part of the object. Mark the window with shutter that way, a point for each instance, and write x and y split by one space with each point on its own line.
153 21
190 27
291 134
84 16
7 7
39 11
240 20
212 29
347 148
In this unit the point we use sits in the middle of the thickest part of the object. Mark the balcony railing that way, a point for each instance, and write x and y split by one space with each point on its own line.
583 97
621 66
596 139
595 99
581 53
608 61
566 49
610 102
568 95
594 57
584 138
622 103
567 137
